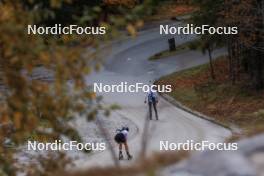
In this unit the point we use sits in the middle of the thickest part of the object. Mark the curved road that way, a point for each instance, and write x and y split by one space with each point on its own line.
128 62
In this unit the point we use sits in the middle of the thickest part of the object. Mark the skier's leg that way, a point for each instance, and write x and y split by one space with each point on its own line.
127 151
120 151
155 109
150 110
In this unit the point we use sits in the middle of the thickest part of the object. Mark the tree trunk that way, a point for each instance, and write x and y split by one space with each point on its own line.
259 53
233 63
258 73
230 63
238 54
211 63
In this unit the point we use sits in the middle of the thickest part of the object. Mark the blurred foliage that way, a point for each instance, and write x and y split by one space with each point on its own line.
41 109
149 166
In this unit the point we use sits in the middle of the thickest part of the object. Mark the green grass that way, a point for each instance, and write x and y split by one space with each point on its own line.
164 54
185 95
188 73
228 104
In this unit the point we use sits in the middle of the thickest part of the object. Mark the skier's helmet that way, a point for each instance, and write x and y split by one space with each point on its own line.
125 128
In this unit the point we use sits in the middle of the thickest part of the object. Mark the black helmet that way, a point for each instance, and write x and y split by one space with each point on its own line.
125 128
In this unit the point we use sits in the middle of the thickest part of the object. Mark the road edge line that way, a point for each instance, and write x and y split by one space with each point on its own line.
193 112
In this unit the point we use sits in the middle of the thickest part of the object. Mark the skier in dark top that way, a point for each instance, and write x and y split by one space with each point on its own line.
121 139
152 100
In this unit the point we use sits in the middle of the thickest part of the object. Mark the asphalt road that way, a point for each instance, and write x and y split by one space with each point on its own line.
128 61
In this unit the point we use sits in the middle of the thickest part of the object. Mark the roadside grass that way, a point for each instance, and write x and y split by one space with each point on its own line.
167 53
228 104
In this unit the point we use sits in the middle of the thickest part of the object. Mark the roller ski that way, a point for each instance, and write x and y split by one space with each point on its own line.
129 157
121 157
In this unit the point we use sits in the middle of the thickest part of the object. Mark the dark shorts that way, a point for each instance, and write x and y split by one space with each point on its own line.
120 138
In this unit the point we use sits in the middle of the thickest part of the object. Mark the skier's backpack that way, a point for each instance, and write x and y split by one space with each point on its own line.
151 97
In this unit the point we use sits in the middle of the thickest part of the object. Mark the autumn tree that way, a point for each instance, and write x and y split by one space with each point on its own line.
41 106
208 13
247 47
